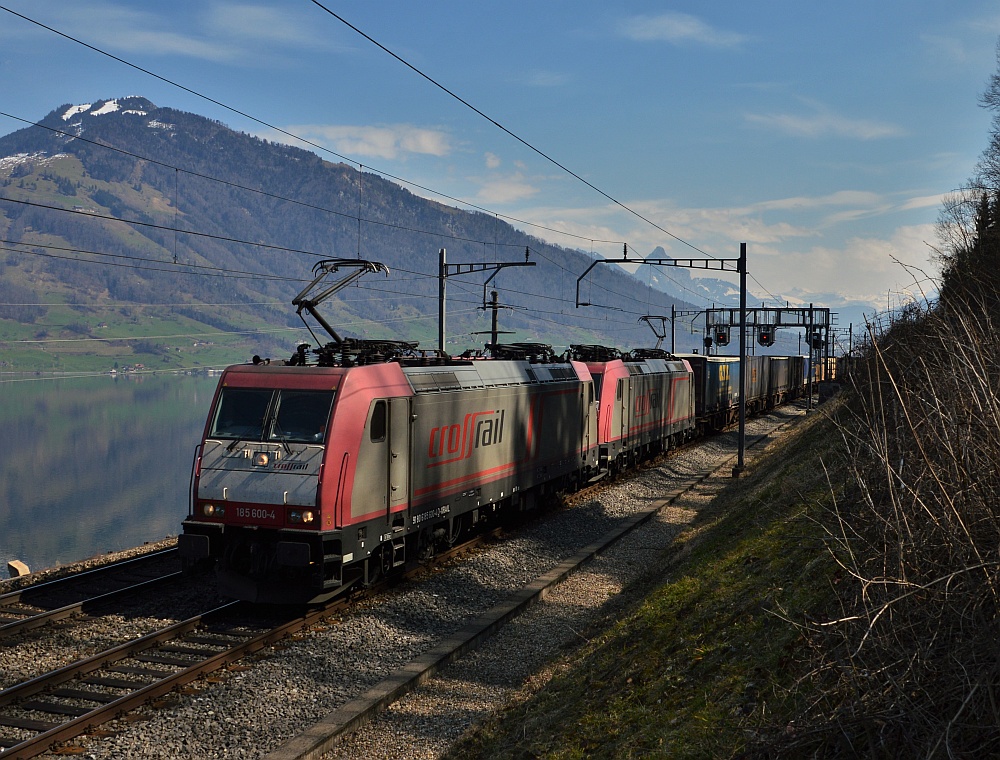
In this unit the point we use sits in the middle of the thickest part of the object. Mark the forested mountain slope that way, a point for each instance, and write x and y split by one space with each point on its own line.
221 229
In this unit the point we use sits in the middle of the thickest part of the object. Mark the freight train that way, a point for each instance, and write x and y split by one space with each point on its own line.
313 478
318 474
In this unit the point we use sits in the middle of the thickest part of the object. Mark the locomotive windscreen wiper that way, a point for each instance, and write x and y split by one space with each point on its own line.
279 434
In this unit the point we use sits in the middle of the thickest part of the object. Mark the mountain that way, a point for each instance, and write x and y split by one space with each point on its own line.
139 233
679 283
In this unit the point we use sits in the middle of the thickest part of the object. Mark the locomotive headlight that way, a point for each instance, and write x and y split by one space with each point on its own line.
213 510
261 459
300 516
308 517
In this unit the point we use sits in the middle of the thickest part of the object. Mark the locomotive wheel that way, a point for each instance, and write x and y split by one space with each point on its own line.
457 529
378 565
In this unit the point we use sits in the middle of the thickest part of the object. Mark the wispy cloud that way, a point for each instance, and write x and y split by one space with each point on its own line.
217 32
126 30
385 141
262 23
505 189
825 123
678 28
546 79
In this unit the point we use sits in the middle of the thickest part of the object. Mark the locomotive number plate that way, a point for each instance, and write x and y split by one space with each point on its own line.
256 513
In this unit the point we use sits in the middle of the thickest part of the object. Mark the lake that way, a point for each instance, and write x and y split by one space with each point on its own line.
90 465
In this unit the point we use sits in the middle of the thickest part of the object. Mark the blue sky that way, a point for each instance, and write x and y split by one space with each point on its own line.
823 135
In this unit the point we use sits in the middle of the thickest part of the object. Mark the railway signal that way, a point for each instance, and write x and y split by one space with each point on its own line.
765 335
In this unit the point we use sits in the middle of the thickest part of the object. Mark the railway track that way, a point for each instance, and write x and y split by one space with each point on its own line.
62 704
44 603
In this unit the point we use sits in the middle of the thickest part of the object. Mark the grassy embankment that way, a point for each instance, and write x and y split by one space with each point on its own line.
703 661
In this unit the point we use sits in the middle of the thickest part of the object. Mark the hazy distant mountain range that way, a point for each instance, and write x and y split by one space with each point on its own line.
216 223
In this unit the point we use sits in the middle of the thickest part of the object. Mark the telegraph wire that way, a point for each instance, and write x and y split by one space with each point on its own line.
235 274
266 194
240 274
176 269
352 161
263 123
500 126
221 238
197 234
216 334
334 153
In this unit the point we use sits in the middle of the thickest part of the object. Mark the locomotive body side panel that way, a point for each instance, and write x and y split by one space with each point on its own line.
485 444
611 386
349 449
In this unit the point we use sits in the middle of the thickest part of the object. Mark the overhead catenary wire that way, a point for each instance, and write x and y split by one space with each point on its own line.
361 167
229 183
266 194
280 130
238 274
501 127
387 174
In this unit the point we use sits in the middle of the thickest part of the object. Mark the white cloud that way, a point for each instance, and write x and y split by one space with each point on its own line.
825 124
797 245
386 142
546 79
677 28
863 268
492 161
839 198
123 29
924 201
510 189
260 23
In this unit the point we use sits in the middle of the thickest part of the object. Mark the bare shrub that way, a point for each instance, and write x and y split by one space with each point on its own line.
911 666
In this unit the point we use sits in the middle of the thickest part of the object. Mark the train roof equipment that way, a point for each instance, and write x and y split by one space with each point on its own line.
347 352
535 353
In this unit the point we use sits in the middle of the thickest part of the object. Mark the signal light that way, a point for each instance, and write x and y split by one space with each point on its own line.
817 341
765 336
722 336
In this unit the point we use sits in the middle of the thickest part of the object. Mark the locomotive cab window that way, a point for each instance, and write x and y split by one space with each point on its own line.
301 416
256 414
241 413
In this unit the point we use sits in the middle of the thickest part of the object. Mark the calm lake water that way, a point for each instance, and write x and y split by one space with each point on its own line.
95 464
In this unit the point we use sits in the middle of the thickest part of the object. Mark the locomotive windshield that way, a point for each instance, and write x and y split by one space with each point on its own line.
257 414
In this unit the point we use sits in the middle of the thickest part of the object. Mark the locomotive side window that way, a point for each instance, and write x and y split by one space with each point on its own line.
301 416
241 413
378 422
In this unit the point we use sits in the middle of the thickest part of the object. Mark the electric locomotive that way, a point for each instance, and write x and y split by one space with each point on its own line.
313 478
